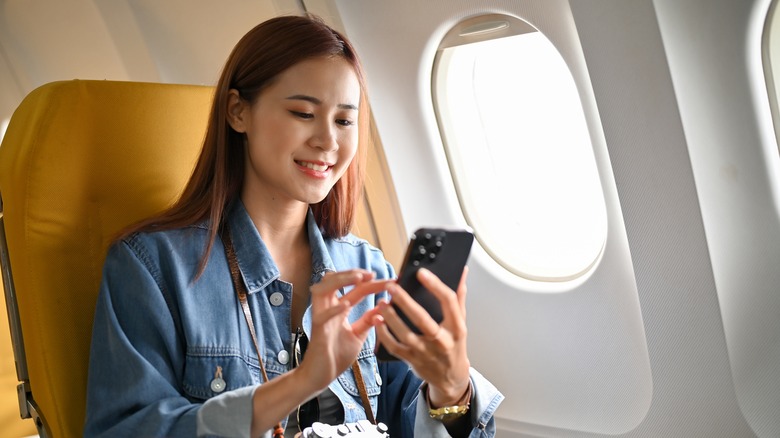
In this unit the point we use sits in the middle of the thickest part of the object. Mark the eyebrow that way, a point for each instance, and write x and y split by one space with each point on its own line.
314 100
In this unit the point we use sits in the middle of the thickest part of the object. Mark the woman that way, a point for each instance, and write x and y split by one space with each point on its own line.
266 215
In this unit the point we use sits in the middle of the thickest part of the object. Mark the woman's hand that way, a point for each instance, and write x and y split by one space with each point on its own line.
335 343
438 355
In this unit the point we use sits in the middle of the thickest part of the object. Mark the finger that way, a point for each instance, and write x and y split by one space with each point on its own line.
450 304
462 290
390 343
367 321
333 281
413 311
326 313
414 341
363 290
395 324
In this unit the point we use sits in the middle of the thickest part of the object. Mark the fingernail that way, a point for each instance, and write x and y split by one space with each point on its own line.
424 272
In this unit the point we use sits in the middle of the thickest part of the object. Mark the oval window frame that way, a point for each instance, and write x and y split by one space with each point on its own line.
491 27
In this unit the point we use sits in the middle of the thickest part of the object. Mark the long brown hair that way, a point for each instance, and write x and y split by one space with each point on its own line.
257 59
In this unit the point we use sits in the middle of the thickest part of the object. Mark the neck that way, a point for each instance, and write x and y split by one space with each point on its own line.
281 225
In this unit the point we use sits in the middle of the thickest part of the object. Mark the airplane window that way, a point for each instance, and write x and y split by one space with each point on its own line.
519 149
771 57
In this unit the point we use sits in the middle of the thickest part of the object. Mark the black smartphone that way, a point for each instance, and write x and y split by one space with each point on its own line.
443 252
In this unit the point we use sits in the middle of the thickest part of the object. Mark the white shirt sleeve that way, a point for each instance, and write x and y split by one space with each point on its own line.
228 414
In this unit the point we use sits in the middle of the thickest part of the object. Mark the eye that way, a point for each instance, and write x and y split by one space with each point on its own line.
344 122
302 115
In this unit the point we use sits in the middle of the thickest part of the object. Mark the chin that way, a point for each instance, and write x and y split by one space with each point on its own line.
311 200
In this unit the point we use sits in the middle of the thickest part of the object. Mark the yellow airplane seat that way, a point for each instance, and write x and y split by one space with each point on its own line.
13 425
80 161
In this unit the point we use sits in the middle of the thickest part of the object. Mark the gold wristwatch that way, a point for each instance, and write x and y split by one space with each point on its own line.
448 413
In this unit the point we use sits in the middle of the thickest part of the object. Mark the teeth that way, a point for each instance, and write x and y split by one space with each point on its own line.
312 166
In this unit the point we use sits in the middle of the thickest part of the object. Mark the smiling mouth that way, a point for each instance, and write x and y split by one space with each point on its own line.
313 166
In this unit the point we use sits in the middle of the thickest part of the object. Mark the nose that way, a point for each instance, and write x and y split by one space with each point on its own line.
324 137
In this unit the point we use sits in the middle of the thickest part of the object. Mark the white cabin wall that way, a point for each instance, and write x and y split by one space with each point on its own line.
524 338
692 389
722 95
571 358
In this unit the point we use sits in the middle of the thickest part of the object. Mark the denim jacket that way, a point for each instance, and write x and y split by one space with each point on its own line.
159 339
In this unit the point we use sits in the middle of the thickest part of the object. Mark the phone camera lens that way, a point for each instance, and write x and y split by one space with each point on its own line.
435 246
419 255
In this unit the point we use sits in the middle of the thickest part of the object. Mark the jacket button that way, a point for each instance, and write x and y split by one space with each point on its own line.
276 299
217 385
283 357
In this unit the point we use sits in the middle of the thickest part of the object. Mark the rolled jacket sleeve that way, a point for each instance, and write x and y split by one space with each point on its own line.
484 402
136 360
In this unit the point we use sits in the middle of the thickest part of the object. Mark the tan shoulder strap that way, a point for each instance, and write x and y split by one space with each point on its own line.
363 392
238 285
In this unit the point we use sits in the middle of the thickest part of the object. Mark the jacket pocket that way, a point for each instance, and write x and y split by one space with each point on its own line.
205 366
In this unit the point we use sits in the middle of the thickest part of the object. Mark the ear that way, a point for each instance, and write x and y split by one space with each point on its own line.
237 111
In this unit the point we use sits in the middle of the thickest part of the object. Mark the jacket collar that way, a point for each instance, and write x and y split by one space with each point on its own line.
257 267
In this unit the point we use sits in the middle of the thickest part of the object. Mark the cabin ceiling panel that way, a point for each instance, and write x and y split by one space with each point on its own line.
45 41
189 40
175 41
183 41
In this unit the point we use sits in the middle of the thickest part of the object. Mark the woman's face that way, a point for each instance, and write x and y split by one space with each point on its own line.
301 131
